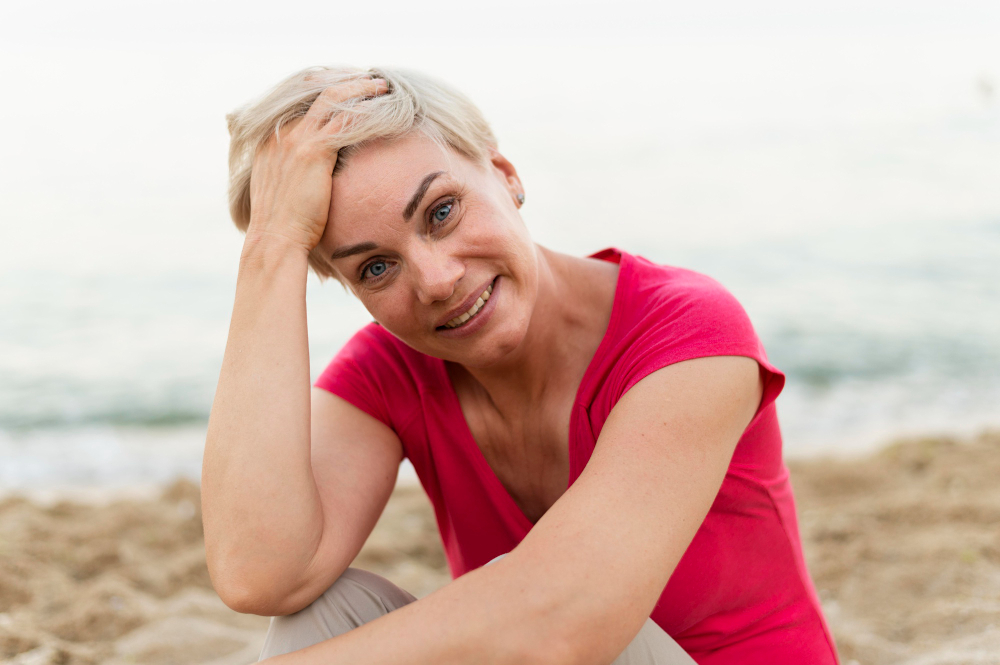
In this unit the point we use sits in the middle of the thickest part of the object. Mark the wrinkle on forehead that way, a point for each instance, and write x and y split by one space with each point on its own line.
381 176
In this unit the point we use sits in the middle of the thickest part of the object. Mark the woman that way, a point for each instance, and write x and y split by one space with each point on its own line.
605 422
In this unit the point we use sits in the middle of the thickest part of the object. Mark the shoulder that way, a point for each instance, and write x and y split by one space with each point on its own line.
373 344
375 349
685 305
374 370
665 315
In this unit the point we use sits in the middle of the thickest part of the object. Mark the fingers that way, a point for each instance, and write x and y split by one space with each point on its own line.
338 121
363 87
322 109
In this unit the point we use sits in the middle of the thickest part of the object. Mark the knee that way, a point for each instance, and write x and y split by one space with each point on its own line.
356 598
368 595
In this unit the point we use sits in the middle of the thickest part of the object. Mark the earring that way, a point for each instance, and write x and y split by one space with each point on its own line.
520 199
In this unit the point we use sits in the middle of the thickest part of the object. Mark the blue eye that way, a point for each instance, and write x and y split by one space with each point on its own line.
376 272
442 213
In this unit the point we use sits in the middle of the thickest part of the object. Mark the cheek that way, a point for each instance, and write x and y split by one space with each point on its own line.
391 308
497 229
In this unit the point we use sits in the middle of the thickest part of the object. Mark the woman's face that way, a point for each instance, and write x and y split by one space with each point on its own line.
419 233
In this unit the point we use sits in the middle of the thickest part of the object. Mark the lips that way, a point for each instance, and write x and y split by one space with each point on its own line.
476 306
467 310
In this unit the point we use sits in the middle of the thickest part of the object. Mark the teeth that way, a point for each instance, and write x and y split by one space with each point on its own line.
478 305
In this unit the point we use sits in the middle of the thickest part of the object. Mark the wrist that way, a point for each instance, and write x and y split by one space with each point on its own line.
272 243
262 249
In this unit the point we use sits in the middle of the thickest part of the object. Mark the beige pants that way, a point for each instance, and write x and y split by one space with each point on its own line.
358 597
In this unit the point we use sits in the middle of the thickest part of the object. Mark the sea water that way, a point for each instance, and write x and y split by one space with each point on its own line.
845 186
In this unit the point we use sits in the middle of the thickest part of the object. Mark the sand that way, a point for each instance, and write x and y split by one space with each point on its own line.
904 547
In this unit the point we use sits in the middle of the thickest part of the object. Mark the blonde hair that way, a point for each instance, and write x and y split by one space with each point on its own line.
414 102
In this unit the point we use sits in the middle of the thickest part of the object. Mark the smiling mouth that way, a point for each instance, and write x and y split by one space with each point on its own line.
461 319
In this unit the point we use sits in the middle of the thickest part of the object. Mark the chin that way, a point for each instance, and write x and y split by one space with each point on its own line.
494 343
494 348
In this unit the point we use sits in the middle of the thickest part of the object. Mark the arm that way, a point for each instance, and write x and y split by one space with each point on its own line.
580 585
287 505
274 541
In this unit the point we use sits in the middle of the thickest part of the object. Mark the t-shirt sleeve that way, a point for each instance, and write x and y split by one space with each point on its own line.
685 317
357 373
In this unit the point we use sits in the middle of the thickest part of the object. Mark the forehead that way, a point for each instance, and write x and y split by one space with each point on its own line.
391 168
378 180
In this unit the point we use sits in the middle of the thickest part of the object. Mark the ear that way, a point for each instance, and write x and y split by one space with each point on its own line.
506 172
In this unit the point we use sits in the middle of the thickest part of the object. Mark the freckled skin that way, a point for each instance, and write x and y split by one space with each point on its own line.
433 269
516 373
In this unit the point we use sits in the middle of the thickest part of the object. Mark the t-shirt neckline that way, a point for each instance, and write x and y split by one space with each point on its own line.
494 487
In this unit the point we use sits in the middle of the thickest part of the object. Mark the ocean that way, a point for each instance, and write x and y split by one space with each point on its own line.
843 181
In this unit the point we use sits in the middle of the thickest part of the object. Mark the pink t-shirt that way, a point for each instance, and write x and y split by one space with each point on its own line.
741 593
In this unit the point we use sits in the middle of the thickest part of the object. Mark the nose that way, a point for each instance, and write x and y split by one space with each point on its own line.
437 273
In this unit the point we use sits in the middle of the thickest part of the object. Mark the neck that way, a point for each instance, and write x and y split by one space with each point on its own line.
566 327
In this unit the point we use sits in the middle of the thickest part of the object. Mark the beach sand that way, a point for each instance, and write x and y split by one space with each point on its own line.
904 547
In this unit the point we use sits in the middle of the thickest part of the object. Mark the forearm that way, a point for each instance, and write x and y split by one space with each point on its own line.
492 614
579 586
574 592
261 508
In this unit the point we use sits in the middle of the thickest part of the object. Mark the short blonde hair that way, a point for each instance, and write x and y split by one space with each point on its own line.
414 102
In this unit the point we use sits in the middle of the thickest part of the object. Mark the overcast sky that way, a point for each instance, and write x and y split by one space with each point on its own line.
114 110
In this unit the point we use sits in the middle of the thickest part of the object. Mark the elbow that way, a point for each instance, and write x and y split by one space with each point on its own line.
257 599
244 600
265 581
264 593
241 594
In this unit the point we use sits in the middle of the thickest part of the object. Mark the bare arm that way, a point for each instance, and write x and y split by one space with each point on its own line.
273 538
579 586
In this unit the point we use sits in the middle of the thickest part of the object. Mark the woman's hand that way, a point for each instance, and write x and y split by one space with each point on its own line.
291 181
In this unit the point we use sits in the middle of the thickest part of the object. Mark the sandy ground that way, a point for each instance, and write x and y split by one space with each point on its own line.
904 547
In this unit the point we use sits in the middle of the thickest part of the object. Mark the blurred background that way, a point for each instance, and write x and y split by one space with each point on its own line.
835 164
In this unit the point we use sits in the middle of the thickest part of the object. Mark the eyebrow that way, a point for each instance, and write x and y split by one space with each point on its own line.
418 195
351 250
411 208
